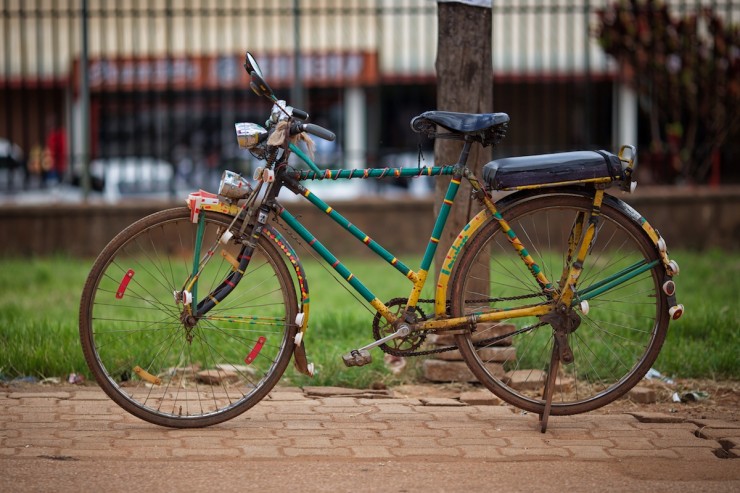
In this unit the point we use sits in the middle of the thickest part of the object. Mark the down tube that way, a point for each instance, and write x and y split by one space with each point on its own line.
293 223
439 224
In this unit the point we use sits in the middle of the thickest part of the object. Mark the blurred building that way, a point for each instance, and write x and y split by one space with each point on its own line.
165 77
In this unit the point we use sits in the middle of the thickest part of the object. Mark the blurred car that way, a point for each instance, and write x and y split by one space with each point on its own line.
132 177
12 162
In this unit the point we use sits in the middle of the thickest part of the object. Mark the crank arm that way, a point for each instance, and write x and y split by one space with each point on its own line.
361 357
402 331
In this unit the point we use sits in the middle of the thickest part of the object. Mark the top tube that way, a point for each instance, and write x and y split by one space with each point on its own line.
335 174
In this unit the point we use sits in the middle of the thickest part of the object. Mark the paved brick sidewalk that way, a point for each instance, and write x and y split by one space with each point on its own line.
81 423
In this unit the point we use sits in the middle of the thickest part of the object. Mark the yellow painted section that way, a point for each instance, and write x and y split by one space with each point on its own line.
146 376
494 316
383 310
440 298
655 237
575 271
231 210
421 278
230 259
561 184
191 283
305 310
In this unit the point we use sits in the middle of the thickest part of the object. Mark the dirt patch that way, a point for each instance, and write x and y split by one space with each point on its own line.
722 400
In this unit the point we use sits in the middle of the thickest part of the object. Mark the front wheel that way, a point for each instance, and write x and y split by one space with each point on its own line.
164 367
616 341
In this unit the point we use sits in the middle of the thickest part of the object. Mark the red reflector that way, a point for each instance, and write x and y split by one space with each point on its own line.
255 350
124 283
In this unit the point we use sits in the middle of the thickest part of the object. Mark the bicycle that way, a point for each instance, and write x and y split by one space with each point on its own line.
574 280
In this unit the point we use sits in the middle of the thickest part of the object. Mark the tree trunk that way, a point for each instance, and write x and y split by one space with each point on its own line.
464 84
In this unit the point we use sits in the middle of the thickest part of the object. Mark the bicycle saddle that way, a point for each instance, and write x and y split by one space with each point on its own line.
487 128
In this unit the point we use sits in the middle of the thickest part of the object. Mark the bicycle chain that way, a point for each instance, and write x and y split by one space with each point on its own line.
481 343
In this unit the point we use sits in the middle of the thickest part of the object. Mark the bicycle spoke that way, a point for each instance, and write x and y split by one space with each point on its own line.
613 345
158 361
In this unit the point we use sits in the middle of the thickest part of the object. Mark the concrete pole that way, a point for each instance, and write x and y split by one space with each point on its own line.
625 115
355 131
84 107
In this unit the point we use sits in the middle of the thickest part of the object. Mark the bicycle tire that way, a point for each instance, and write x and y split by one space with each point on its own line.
148 361
616 342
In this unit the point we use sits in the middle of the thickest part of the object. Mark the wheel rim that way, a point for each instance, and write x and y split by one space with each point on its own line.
169 371
616 341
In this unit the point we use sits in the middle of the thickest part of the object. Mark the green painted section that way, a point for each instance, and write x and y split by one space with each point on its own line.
335 174
196 255
298 152
614 280
523 253
325 254
439 225
359 234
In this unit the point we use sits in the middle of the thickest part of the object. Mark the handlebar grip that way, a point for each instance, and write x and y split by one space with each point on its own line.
318 131
300 114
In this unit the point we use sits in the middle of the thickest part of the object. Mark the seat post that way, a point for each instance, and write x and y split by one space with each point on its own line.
463 159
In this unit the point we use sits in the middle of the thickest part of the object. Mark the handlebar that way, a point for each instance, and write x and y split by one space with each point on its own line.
313 129
300 114
261 88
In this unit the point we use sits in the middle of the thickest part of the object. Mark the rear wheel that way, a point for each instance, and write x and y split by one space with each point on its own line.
618 338
163 367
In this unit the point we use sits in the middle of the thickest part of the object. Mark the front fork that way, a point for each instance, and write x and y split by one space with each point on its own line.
188 295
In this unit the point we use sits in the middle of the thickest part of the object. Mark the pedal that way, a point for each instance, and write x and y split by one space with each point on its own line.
357 357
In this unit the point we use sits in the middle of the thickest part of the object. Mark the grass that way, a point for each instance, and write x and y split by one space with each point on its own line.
39 299
705 342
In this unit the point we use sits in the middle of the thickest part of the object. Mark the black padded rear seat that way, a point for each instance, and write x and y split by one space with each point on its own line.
546 169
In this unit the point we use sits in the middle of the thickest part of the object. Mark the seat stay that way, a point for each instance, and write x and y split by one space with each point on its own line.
568 289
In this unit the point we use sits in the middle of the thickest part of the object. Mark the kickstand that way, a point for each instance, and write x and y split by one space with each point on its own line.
550 385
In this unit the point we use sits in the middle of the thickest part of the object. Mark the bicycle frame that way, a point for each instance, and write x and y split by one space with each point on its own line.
557 208
581 238
417 278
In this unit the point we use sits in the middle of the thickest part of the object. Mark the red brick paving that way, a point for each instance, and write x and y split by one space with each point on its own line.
82 421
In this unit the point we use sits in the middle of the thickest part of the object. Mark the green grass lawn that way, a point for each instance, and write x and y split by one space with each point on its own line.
39 301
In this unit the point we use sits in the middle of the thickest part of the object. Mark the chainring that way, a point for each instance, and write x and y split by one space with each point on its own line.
403 346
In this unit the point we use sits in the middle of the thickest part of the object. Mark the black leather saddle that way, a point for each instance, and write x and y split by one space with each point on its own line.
486 128
551 169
